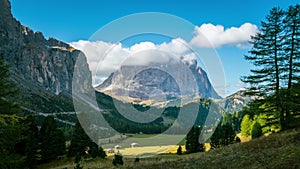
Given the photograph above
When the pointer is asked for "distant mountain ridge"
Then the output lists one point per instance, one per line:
(236, 102)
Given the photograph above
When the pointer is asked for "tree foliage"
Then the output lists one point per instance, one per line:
(12, 148)
(192, 141)
(292, 54)
(80, 141)
(32, 142)
(256, 130)
(275, 57)
(118, 160)
(8, 91)
(52, 140)
(246, 125)
(223, 136)
(179, 150)
(10, 135)
(96, 151)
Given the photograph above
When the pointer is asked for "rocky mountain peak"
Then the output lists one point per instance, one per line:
(159, 82)
(45, 63)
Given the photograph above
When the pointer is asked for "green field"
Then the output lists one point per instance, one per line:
(148, 140)
(279, 150)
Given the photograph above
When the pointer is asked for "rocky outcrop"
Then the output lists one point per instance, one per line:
(46, 63)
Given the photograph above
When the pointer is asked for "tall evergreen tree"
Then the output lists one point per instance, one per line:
(52, 140)
(10, 135)
(179, 150)
(292, 51)
(267, 57)
(292, 44)
(8, 91)
(32, 142)
(223, 136)
(246, 125)
(80, 140)
(96, 151)
(256, 130)
(118, 160)
(192, 141)
(11, 130)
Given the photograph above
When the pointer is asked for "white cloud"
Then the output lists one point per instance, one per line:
(104, 58)
(209, 35)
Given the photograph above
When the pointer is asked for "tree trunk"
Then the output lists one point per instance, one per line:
(279, 106)
(290, 74)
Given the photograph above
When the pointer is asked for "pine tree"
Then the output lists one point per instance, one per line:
(228, 134)
(52, 140)
(223, 136)
(102, 153)
(246, 125)
(96, 151)
(80, 140)
(267, 57)
(32, 142)
(215, 138)
(10, 135)
(256, 130)
(77, 162)
(192, 141)
(292, 52)
(118, 160)
(11, 131)
(179, 150)
(8, 91)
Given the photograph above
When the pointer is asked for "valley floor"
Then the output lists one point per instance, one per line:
(279, 150)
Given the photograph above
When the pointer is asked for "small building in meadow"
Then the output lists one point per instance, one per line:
(110, 150)
(134, 145)
(118, 147)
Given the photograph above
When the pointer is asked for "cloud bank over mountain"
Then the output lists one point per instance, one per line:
(106, 57)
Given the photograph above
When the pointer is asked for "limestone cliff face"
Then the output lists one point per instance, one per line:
(46, 63)
(42, 68)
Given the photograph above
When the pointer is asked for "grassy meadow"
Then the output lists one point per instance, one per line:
(278, 150)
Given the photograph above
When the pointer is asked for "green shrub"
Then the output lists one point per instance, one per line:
(118, 160)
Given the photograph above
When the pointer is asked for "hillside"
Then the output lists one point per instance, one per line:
(279, 150)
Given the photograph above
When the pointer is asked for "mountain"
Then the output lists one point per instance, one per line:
(42, 68)
(236, 101)
(158, 82)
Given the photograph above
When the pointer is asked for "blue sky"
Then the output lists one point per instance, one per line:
(71, 21)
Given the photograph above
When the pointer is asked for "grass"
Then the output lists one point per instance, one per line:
(278, 150)
(140, 135)
(146, 140)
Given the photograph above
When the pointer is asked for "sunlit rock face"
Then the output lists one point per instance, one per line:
(159, 81)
